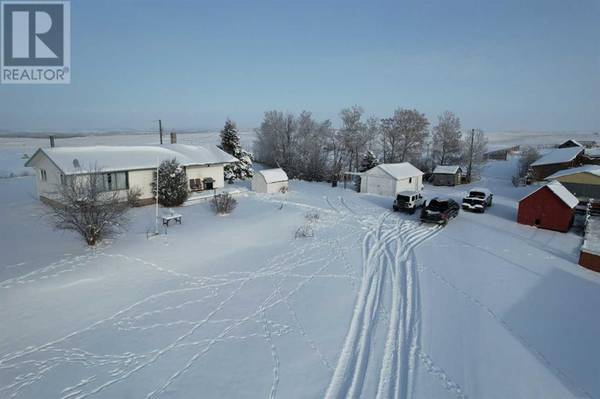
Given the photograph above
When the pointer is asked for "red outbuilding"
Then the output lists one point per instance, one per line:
(549, 207)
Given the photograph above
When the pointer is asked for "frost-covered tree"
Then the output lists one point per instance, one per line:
(85, 206)
(353, 135)
(172, 183)
(311, 143)
(369, 161)
(300, 145)
(404, 135)
(528, 156)
(230, 143)
(447, 139)
(276, 141)
(474, 149)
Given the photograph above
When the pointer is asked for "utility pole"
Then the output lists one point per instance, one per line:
(156, 208)
(160, 130)
(471, 156)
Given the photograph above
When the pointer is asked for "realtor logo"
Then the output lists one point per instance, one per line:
(36, 42)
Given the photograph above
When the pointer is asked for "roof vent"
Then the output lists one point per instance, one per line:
(76, 163)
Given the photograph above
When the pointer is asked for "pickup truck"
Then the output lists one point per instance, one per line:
(477, 200)
(440, 211)
(408, 201)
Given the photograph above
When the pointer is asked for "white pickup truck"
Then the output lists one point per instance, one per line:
(408, 201)
(477, 200)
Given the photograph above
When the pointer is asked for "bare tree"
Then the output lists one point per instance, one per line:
(223, 203)
(275, 140)
(404, 135)
(353, 135)
(311, 147)
(373, 133)
(474, 149)
(447, 138)
(299, 145)
(528, 156)
(85, 206)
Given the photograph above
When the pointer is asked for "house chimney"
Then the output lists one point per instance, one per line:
(51, 141)
(173, 138)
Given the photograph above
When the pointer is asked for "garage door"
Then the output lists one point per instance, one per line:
(381, 186)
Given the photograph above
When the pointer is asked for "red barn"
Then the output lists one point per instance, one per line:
(549, 207)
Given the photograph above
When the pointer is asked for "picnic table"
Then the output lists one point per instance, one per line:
(166, 219)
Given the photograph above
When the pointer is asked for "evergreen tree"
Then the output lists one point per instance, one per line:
(230, 143)
(230, 140)
(172, 183)
(369, 161)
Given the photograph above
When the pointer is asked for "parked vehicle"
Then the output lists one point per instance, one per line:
(477, 200)
(408, 201)
(440, 211)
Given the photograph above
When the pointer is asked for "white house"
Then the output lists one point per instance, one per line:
(390, 178)
(127, 167)
(270, 181)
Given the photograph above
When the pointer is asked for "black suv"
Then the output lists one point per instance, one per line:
(440, 211)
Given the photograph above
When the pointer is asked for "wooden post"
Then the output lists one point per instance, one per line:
(470, 156)
(160, 130)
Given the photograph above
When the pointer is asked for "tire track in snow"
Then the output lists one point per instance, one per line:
(386, 251)
(399, 363)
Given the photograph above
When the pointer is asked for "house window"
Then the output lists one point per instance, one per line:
(43, 174)
(114, 181)
(63, 180)
(410, 179)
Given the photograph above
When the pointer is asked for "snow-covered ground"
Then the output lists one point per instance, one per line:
(374, 305)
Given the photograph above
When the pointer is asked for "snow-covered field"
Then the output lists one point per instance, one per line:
(374, 305)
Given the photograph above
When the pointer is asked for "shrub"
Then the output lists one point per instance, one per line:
(312, 216)
(223, 203)
(305, 231)
(84, 207)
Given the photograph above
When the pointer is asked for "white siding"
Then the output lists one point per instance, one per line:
(259, 185)
(142, 179)
(49, 187)
(413, 184)
(201, 172)
(376, 181)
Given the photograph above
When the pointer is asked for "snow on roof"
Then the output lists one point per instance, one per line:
(481, 190)
(559, 155)
(560, 191)
(592, 169)
(446, 169)
(577, 143)
(591, 241)
(74, 160)
(399, 171)
(273, 175)
(592, 152)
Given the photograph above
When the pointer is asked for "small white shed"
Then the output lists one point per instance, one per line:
(390, 178)
(270, 181)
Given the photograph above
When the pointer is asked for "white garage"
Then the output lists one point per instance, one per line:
(390, 178)
(270, 181)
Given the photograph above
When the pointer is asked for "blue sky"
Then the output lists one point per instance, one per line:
(499, 65)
